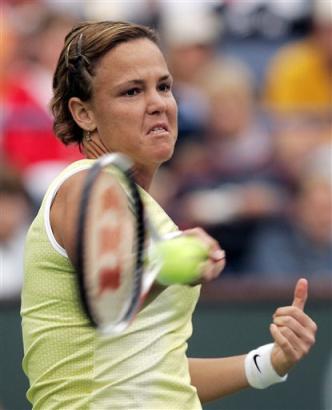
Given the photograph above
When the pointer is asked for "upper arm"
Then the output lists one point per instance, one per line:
(64, 213)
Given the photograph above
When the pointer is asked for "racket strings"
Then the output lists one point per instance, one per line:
(110, 277)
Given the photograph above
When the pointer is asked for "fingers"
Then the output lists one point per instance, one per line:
(305, 334)
(300, 294)
(286, 342)
(212, 269)
(205, 237)
(297, 314)
(296, 309)
(293, 346)
(217, 257)
(293, 331)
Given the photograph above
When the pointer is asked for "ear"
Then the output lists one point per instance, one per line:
(82, 114)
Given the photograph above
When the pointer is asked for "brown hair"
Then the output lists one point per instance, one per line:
(84, 46)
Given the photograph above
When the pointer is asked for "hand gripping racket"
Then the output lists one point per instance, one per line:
(112, 245)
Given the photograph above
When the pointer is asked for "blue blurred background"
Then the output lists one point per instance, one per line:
(253, 165)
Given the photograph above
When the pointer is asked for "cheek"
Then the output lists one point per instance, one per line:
(125, 132)
(117, 122)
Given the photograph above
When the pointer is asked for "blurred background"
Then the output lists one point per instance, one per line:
(253, 165)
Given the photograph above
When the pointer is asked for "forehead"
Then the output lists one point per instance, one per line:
(136, 59)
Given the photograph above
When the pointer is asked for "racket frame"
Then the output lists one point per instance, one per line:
(125, 166)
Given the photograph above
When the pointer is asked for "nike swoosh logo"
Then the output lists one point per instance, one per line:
(256, 364)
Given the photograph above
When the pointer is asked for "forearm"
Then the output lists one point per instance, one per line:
(217, 377)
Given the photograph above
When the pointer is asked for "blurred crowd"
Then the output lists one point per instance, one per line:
(253, 163)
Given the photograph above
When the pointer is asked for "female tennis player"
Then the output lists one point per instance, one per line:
(113, 93)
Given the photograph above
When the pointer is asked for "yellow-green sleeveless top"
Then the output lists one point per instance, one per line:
(72, 366)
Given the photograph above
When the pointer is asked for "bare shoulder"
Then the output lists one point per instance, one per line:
(64, 211)
(72, 187)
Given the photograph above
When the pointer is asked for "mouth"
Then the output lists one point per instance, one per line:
(158, 129)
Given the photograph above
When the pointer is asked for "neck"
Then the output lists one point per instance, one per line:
(144, 176)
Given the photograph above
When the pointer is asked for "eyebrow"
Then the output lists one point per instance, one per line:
(141, 82)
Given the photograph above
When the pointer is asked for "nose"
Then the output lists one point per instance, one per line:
(156, 103)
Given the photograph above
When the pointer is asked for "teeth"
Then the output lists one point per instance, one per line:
(158, 129)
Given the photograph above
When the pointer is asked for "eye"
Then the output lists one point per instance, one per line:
(165, 87)
(132, 92)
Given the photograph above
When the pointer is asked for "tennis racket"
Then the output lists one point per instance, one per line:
(113, 232)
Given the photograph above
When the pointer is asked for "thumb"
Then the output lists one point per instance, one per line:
(300, 293)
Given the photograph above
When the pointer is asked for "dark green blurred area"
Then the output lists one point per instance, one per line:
(13, 383)
(229, 330)
(225, 323)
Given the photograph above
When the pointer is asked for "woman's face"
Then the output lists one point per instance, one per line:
(132, 104)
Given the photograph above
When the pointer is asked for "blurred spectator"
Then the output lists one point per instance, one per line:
(296, 137)
(28, 139)
(300, 75)
(15, 214)
(267, 19)
(190, 33)
(138, 11)
(224, 182)
(300, 243)
(7, 51)
(237, 135)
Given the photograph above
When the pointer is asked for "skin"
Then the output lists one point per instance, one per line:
(132, 94)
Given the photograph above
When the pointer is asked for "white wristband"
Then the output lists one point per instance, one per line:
(259, 370)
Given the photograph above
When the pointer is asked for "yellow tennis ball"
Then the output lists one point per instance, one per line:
(183, 259)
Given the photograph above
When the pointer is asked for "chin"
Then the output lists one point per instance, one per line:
(163, 155)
